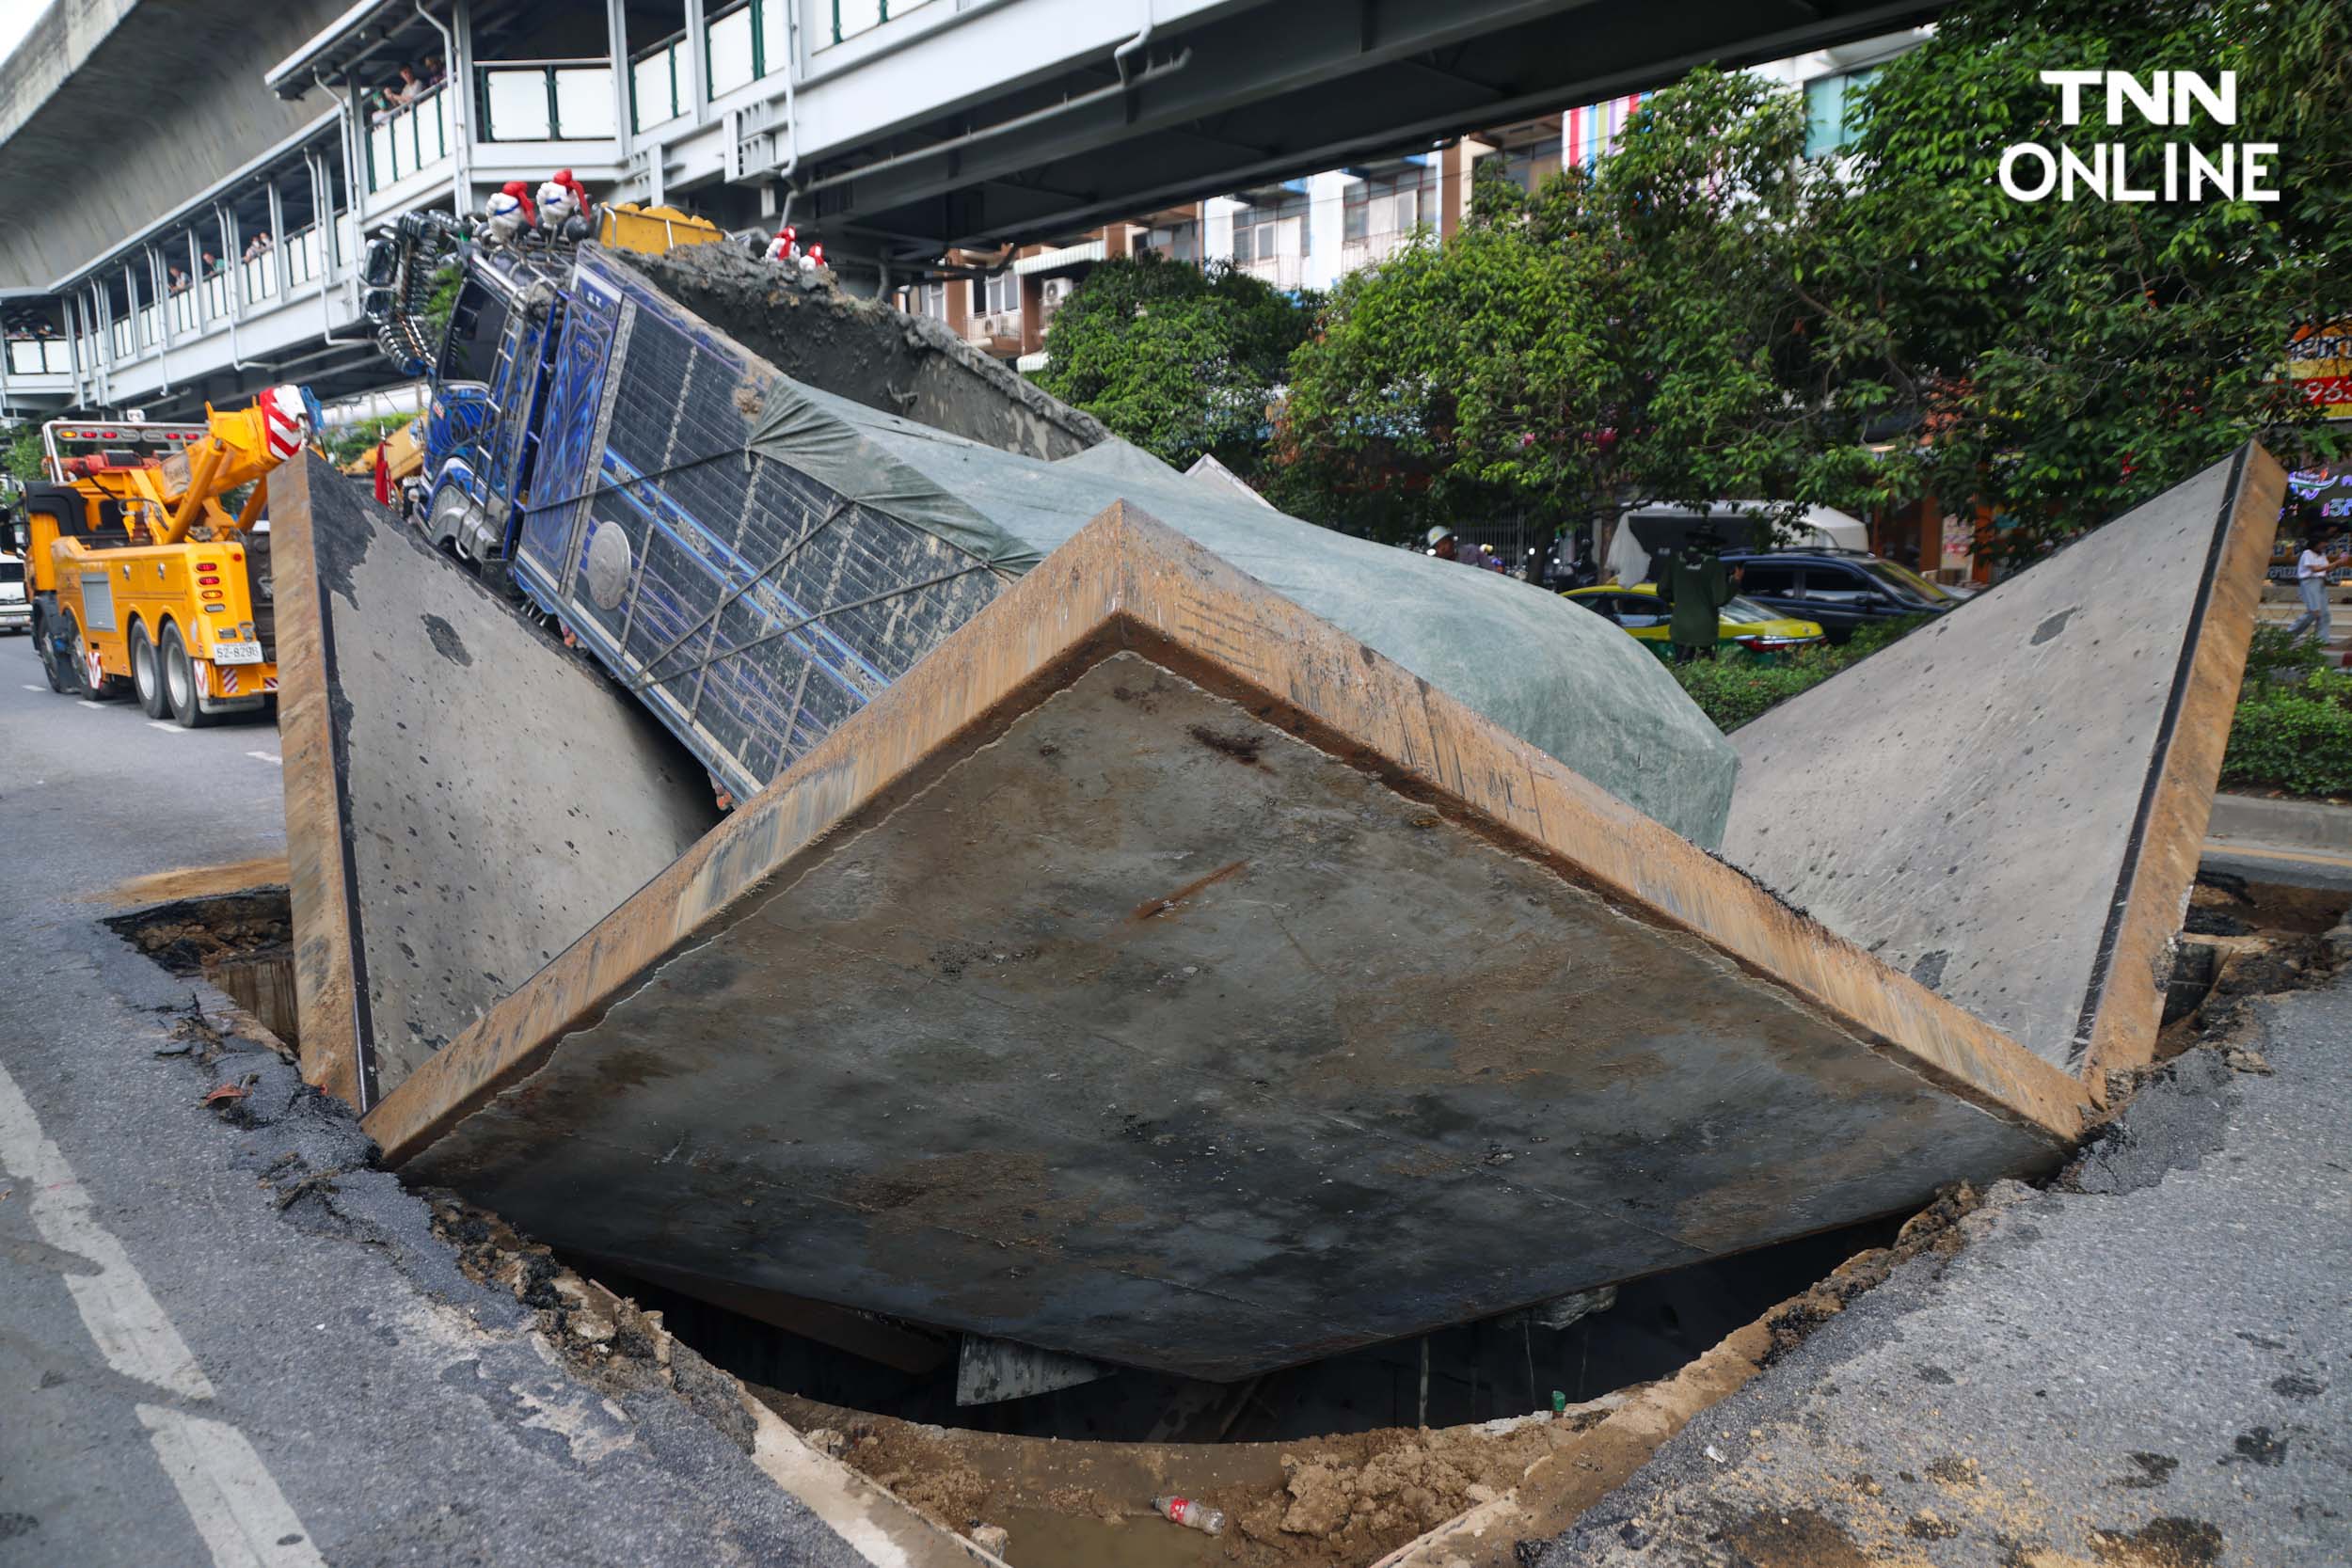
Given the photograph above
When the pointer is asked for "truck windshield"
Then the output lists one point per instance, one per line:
(11, 571)
(475, 325)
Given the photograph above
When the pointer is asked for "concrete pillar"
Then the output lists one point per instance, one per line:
(1453, 187)
(1118, 241)
(356, 150)
(1326, 204)
(461, 111)
(958, 305)
(616, 46)
(232, 247)
(161, 281)
(275, 265)
(697, 48)
(1216, 229)
(1032, 313)
(72, 312)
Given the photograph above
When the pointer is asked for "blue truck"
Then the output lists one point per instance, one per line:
(595, 450)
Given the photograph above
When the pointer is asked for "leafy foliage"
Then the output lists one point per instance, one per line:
(2068, 359)
(1622, 334)
(1731, 691)
(347, 442)
(1178, 359)
(22, 457)
(442, 301)
(2294, 736)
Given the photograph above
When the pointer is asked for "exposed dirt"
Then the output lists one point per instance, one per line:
(1932, 1229)
(188, 935)
(2242, 939)
(1337, 1500)
(867, 352)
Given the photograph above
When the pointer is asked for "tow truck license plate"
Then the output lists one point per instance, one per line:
(237, 653)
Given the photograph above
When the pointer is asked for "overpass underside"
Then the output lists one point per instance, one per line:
(1266, 92)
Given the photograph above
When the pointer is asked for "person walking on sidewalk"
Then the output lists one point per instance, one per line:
(2310, 580)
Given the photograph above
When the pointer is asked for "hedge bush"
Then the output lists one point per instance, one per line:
(1731, 690)
(2293, 736)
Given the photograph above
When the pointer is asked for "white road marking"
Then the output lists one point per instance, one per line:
(164, 724)
(227, 1490)
(36, 688)
(87, 702)
(268, 756)
(128, 1325)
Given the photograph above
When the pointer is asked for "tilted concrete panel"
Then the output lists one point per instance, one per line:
(463, 797)
(2009, 804)
(1158, 974)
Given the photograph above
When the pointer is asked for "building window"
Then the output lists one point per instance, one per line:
(1830, 106)
(998, 292)
(1179, 241)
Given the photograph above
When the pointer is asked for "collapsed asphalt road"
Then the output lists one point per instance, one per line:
(222, 1338)
(203, 1358)
(2153, 1369)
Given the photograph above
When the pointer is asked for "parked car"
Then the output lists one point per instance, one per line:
(1839, 589)
(16, 611)
(1742, 624)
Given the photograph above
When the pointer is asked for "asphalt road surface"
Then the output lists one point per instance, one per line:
(2152, 1369)
(194, 1370)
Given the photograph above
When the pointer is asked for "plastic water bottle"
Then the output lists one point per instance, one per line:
(1194, 1515)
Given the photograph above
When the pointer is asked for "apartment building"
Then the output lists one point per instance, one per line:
(1310, 233)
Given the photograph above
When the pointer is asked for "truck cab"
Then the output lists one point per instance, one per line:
(489, 388)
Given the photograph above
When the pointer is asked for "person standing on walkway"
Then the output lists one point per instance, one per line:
(1694, 581)
(2310, 580)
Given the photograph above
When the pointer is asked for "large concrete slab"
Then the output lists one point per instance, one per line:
(2009, 805)
(1158, 974)
(463, 796)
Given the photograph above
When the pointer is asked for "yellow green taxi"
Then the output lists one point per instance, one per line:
(1742, 626)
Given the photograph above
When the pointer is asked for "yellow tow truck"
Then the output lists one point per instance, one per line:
(143, 581)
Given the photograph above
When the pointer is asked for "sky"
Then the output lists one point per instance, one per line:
(16, 19)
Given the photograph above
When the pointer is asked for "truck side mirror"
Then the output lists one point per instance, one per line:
(382, 265)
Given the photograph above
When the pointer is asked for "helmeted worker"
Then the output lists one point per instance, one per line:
(507, 214)
(563, 212)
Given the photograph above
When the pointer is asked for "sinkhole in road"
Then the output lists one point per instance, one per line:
(241, 942)
(1440, 1450)
(1334, 1462)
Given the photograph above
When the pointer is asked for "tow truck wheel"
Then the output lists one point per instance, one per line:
(60, 674)
(146, 678)
(67, 645)
(179, 682)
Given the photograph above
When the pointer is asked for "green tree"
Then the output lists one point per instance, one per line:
(1625, 335)
(1178, 359)
(2064, 361)
(347, 442)
(23, 458)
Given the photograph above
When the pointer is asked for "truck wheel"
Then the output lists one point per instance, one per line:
(60, 673)
(179, 682)
(68, 646)
(147, 679)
